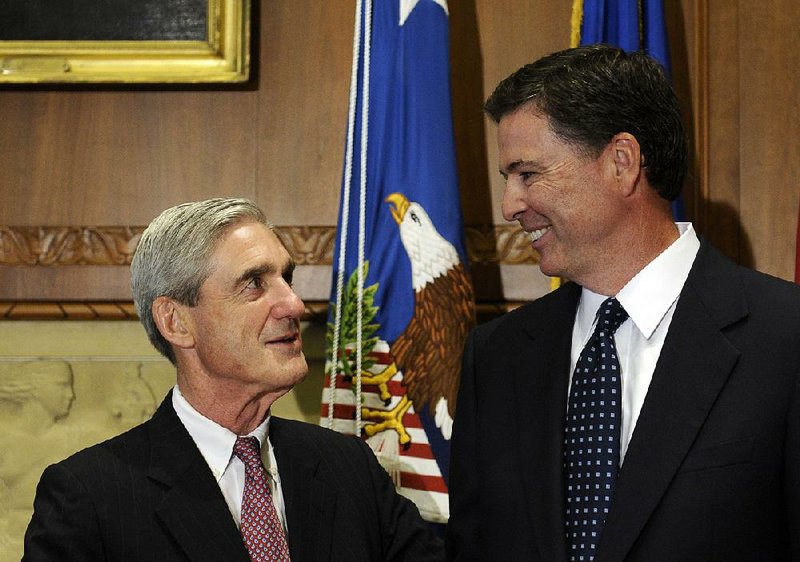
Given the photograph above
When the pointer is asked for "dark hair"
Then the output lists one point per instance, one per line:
(591, 93)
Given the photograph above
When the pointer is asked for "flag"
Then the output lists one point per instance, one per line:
(631, 25)
(401, 301)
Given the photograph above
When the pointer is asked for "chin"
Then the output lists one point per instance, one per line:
(549, 270)
(301, 369)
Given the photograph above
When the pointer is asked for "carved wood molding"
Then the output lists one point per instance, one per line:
(315, 311)
(68, 245)
(502, 244)
(310, 245)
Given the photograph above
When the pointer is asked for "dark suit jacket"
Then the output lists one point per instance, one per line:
(712, 471)
(149, 495)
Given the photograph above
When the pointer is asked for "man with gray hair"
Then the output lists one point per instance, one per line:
(212, 476)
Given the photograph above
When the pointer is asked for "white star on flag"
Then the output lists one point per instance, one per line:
(407, 6)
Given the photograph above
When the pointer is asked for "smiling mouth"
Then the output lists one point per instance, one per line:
(536, 234)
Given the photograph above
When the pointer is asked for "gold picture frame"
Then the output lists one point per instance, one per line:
(224, 55)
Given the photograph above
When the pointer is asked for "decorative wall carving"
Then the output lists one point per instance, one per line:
(55, 408)
(68, 245)
(48, 246)
(310, 245)
(504, 244)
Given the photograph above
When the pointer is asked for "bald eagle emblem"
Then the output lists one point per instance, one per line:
(428, 351)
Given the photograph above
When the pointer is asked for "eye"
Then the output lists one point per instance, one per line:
(414, 217)
(526, 177)
(255, 283)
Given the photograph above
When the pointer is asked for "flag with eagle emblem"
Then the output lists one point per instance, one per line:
(402, 302)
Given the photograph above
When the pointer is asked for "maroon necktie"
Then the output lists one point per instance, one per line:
(261, 528)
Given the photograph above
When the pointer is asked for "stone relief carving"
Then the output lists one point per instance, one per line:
(35, 398)
(50, 409)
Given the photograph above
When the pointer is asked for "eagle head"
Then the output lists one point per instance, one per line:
(431, 254)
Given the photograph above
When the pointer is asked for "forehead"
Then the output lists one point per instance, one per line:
(246, 244)
(524, 125)
(525, 135)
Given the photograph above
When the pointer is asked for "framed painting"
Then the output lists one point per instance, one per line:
(119, 41)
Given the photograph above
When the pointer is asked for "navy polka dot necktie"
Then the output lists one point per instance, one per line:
(591, 439)
(261, 529)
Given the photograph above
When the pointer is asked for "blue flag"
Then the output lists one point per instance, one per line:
(631, 25)
(402, 302)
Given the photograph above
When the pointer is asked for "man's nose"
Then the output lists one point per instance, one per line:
(289, 304)
(513, 203)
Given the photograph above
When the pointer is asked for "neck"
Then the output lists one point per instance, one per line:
(641, 241)
(231, 405)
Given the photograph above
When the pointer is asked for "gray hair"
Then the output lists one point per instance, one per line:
(172, 258)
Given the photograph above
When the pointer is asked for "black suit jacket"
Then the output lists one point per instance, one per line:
(149, 495)
(712, 471)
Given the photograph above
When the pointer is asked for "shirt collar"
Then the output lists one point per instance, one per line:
(648, 296)
(214, 441)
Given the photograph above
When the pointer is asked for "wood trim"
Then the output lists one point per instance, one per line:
(315, 311)
(310, 245)
(54, 246)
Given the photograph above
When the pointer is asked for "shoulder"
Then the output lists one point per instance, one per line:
(130, 449)
(555, 310)
(725, 285)
(283, 431)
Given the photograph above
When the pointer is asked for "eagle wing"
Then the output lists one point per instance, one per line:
(429, 350)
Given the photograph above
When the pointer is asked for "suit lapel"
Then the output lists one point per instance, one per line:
(310, 503)
(541, 380)
(193, 509)
(693, 367)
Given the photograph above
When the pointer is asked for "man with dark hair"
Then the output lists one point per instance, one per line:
(649, 409)
(212, 476)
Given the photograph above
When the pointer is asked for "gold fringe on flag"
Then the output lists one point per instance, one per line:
(577, 18)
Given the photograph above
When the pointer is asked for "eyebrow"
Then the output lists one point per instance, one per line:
(266, 269)
(517, 164)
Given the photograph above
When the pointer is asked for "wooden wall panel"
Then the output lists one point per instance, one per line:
(117, 155)
(769, 132)
(746, 126)
(511, 34)
(720, 204)
(306, 53)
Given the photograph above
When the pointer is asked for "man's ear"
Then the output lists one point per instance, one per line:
(172, 321)
(626, 156)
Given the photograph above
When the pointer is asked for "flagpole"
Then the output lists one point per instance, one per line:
(362, 210)
(348, 178)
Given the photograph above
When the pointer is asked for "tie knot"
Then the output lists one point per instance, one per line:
(610, 316)
(248, 450)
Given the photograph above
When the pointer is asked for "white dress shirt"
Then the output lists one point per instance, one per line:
(649, 299)
(216, 445)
